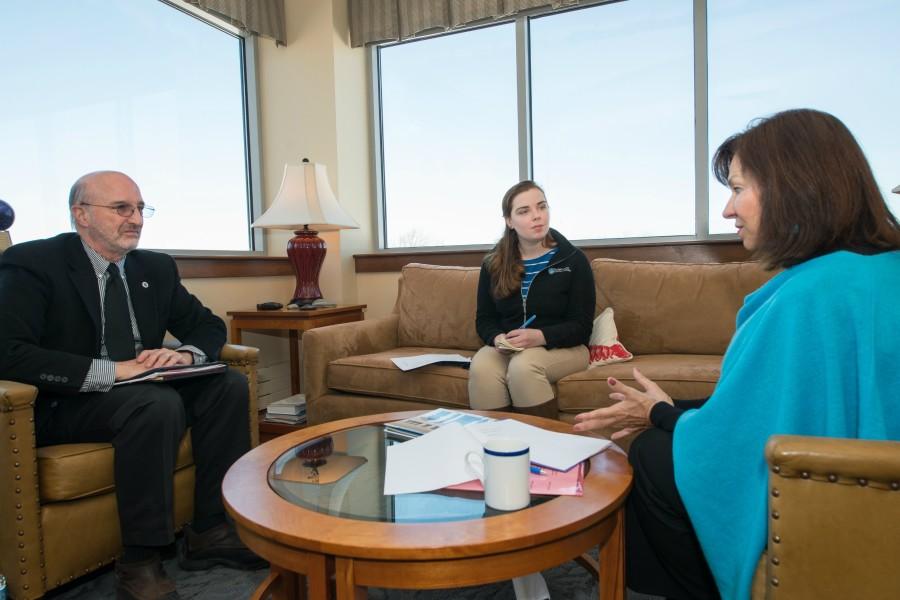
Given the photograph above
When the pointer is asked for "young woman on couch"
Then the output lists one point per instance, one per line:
(811, 355)
(535, 310)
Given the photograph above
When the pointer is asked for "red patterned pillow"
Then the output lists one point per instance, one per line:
(605, 346)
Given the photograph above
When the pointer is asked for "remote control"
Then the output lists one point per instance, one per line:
(269, 306)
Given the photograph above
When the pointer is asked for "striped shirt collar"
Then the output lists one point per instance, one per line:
(99, 263)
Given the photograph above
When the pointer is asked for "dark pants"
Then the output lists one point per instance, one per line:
(145, 423)
(663, 555)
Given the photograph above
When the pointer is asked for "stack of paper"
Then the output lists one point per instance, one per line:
(438, 459)
(408, 363)
(291, 410)
(505, 345)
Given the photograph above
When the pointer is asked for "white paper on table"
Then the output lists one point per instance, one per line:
(430, 462)
(408, 363)
(560, 451)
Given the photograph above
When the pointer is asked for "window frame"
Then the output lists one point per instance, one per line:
(523, 88)
(252, 152)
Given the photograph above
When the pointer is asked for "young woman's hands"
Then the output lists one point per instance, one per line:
(526, 338)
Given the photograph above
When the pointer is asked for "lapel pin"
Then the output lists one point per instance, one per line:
(145, 285)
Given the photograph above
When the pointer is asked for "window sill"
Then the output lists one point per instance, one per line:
(199, 267)
(692, 251)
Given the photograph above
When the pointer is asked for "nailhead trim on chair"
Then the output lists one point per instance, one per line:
(776, 496)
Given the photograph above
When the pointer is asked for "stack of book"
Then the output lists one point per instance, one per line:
(290, 410)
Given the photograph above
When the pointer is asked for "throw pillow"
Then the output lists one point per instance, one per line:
(605, 346)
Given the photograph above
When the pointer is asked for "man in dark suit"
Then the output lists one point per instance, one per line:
(83, 310)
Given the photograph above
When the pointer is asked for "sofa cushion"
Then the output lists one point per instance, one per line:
(71, 471)
(376, 375)
(675, 308)
(682, 376)
(437, 307)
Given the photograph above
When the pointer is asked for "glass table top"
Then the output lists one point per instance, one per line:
(342, 475)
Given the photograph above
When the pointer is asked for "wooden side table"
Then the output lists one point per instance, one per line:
(295, 322)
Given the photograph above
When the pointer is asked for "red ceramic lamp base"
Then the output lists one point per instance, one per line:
(306, 253)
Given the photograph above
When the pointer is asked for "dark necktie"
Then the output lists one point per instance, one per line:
(117, 326)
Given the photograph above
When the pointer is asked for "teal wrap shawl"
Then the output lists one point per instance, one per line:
(816, 352)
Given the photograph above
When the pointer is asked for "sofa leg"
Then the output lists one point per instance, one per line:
(548, 410)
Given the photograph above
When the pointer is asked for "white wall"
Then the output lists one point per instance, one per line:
(314, 104)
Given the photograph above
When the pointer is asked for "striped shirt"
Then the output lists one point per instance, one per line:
(102, 373)
(533, 266)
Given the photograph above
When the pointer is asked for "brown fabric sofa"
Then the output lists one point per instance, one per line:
(676, 318)
(58, 516)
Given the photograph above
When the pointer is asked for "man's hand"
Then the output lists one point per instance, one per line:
(128, 369)
(526, 338)
(163, 357)
(630, 413)
(151, 359)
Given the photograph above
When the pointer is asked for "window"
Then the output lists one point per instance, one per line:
(614, 152)
(615, 116)
(450, 137)
(140, 87)
(839, 57)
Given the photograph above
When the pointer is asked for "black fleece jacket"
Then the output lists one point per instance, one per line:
(561, 297)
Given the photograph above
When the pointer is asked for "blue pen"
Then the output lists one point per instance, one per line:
(528, 321)
(537, 470)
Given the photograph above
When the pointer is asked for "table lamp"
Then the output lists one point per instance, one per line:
(306, 205)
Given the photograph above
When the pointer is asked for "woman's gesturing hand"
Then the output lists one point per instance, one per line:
(630, 413)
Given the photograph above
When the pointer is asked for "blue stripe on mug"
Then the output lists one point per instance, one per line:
(513, 453)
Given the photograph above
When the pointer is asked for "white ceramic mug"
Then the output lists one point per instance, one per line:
(503, 470)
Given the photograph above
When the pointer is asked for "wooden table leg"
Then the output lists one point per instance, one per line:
(343, 579)
(235, 334)
(317, 578)
(612, 562)
(281, 584)
(294, 340)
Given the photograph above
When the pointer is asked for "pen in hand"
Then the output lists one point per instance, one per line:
(528, 321)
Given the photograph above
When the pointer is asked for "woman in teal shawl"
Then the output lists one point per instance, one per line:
(815, 352)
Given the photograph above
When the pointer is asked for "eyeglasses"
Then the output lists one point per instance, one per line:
(125, 210)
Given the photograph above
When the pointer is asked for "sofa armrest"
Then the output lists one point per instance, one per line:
(325, 344)
(833, 509)
(245, 359)
(20, 520)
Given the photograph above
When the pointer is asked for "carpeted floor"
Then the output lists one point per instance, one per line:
(566, 582)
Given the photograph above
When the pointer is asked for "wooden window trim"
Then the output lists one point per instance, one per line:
(709, 251)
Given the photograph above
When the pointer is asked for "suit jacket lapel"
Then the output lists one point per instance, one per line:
(143, 301)
(85, 281)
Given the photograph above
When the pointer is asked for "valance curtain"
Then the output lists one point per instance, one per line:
(377, 21)
(259, 17)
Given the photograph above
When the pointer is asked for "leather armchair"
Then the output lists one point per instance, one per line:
(834, 520)
(58, 517)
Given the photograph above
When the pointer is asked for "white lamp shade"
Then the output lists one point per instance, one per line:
(305, 199)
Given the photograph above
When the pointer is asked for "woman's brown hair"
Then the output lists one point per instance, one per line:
(504, 262)
(816, 188)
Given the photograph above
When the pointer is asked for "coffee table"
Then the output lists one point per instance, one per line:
(344, 536)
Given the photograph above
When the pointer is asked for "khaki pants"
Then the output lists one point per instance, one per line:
(523, 378)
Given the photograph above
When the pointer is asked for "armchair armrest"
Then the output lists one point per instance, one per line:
(245, 359)
(20, 515)
(833, 509)
(325, 344)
